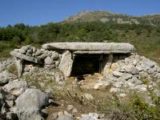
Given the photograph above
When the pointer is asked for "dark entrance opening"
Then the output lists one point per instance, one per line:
(86, 64)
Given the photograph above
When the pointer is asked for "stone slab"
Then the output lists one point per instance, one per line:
(25, 57)
(66, 63)
(93, 47)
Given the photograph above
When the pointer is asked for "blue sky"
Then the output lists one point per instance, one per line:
(37, 12)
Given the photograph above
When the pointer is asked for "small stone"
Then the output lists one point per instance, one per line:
(48, 61)
(117, 74)
(101, 85)
(126, 76)
(65, 117)
(88, 96)
(114, 90)
(70, 107)
(74, 110)
(55, 55)
(122, 95)
(90, 116)
(131, 69)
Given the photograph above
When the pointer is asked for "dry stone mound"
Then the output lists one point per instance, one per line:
(134, 73)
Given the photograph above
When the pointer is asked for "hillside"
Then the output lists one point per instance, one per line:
(104, 16)
(83, 80)
(144, 34)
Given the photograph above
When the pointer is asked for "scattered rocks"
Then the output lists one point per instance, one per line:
(133, 72)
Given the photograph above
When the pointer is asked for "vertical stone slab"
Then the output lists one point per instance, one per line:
(66, 63)
(107, 64)
(20, 67)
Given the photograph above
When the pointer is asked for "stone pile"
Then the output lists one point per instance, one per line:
(132, 73)
(18, 101)
(29, 56)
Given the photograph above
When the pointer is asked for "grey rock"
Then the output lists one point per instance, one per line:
(91, 47)
(55, 55)
(16, 87)
(5, 63)
(11, 116)
(1, 99)
(25, 57)
(74, 111)
(118, 84)
(10, 103)
(157, 75)
(38, 52)
(64, 116)
(66, 63)
(114, 90)
(91, 116)
(70, 107)
(48, 61)
(4, 109)
(5, 77)
(141, 88)
(101, 85)
(30, 103)
(9, 97)
(20, 66)
(58, 76)
(117, 74)
(131, 69)
(88, 96)
(125, 76)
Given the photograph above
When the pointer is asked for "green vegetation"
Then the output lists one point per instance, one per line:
(146, 38)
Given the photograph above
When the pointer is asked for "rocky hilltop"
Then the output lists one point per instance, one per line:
(105, 16)
(40, 90)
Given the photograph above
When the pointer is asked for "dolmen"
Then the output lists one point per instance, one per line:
(68, 57)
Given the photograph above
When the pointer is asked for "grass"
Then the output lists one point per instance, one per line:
(131, 107)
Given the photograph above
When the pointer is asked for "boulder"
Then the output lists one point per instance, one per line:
(15, 87)
(30, 103)
(5, 77)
